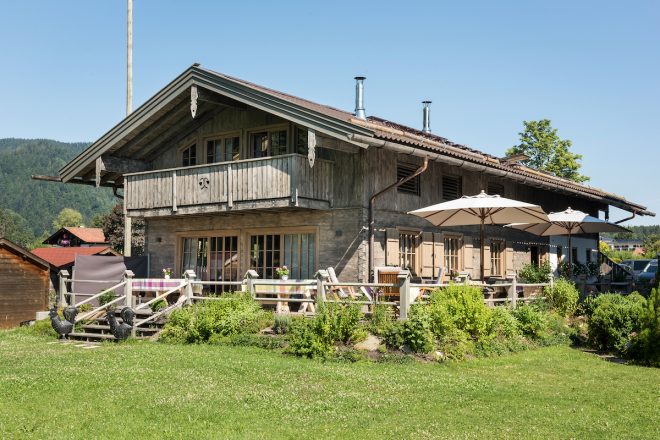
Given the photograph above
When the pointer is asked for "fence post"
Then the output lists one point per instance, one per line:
(320, 287)
(513, 293)
(128, 287)
(404, 294)
(64, 275)
(189, 276)
(250, 275)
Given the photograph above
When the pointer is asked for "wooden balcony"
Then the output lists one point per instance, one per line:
(274, 182)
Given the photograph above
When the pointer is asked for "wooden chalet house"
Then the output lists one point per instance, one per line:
(230, 176)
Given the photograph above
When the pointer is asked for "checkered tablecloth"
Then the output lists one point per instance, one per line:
(155, 284)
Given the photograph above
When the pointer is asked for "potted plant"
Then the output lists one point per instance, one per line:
(167, 273)
(282, 272)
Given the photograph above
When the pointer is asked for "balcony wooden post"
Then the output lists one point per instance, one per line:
(174, 207)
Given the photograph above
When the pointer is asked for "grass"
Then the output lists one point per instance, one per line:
(151, 390)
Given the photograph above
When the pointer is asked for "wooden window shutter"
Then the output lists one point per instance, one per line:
(467, 253)
(508, 258)
(487, 262)
(392, 247)
(438, 253)
(427, 259)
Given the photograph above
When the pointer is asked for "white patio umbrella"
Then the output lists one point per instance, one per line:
(482, 209)
(569, 222)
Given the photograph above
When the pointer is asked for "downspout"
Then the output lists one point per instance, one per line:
(626, 219)
(372, 199)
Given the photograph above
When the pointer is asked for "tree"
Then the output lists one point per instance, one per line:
(67, 218)
(547, 151)
(113, 228)
(15, 228)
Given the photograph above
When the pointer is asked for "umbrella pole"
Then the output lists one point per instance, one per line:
(570, 257)
(481, 254)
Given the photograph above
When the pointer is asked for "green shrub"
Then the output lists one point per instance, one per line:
(562, 296)
(282, 324)
(43, 327)
(310, 338)
(394, 335)
(558, 332)
(456, 344)
(157, 306)
(248, 340)
(645, 346)
(107, 296)
(173, 335)
(502, 324)
(234, 314)
(381, 320)
(614, 319)
(531, 323)
(359, 334)
(533, 274)
(417, 329)
(459, 306)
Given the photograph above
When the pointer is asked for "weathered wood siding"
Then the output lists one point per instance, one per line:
(280, 177)
(23, 289)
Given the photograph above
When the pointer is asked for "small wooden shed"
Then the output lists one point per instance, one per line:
(24, 284)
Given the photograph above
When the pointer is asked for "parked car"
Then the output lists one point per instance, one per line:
(637, 266)
(647, 278)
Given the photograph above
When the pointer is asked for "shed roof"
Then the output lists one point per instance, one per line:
(22, 252)
(64, 256)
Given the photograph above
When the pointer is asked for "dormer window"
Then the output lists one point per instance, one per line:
(189, 156)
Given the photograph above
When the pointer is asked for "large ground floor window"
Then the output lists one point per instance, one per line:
(452, 254)
(213, 258)
(297, 251)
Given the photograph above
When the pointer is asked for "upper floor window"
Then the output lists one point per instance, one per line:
(301, 141)
(223, 149)
(404, 170)
(268, 143)
(189, 156)
(495, 188)
(452, 187)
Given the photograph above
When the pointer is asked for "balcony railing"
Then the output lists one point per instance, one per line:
(273, 182)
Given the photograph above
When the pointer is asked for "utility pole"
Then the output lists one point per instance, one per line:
(128, 233)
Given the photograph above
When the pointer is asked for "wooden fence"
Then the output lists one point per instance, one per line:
(284, 294)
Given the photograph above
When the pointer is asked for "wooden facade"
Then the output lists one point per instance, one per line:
(24, 284)
(256, 178)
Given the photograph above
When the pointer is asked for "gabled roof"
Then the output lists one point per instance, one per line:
(325, 119)
(22, 252)
(64, 256)
(86, 235)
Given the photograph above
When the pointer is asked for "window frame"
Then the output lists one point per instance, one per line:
(501, 245)
(460, 185)
(223, 136)
(414, 253)
(269, 130)
(181, 151)
(459, 252)
(413, 186)
(249, 233)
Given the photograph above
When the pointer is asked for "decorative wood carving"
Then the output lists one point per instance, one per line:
(194, 95)
(311, 147)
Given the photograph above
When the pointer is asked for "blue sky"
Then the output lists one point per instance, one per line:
(592, 67)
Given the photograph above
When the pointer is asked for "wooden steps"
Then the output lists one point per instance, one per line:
(99, 330)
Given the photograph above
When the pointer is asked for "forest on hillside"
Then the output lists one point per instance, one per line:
(28, 207)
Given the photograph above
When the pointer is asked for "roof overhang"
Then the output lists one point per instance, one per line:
(178, 91)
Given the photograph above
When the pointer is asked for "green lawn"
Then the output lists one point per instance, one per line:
(151, 390)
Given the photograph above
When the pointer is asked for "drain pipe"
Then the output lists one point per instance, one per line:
(626, 219)
(372, 199)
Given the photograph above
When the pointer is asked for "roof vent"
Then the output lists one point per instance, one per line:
(359, 97)
(427, 117)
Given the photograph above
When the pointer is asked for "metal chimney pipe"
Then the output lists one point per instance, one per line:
(359, 97)
(427, 117)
